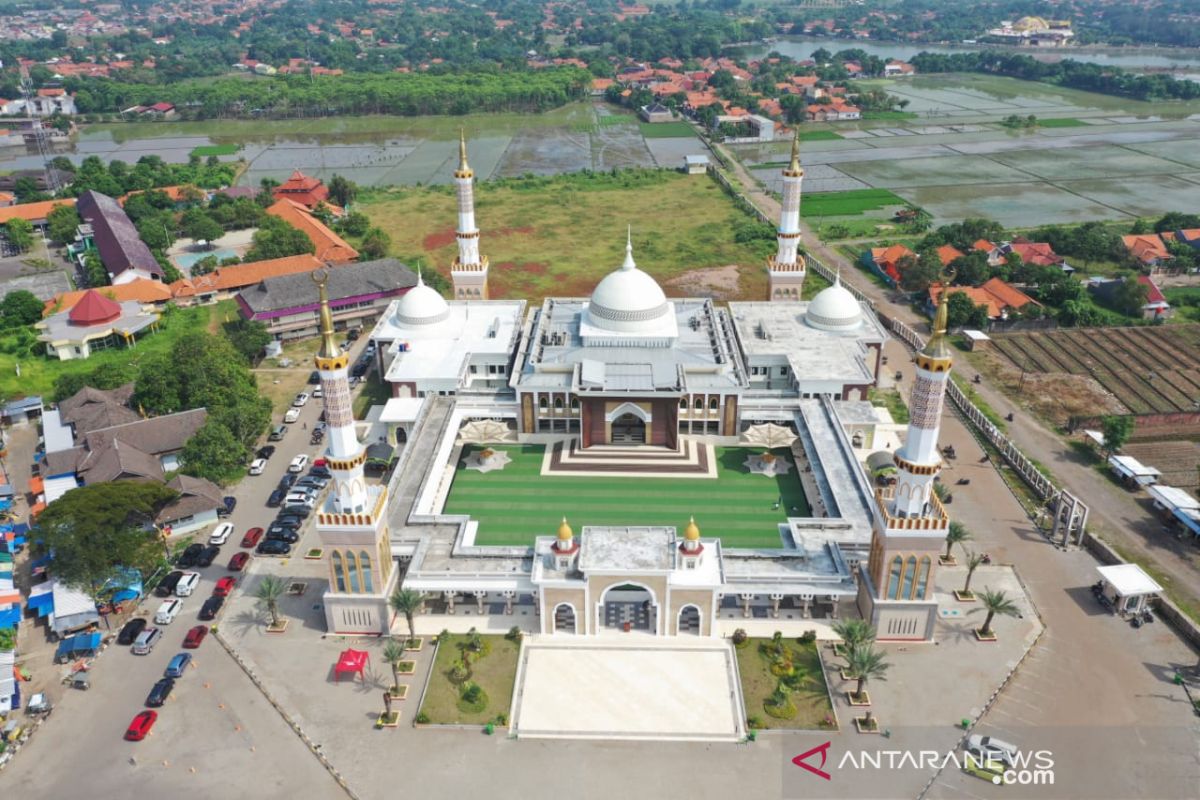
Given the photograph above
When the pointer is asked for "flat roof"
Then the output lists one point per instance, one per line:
(1129, 580)
(58, 436)
(631, 549)
(402, 409)
(442, 349)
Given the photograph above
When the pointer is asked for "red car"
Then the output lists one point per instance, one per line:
(224, 586)
(252, 536)
(140, 726)
(238, 562)
(320, 462)
(194, 637)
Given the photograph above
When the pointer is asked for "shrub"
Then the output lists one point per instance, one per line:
(502, 718)
(808, 637)
(473, 698)
(753, 721)
(459, 673)
(740, 637)
(514, 634)
(779, 704)
(422, 718)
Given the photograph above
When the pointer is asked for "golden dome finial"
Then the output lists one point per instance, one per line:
(937, 347)
(565, 533)
(692, 531)
(329, 345)
(464, 169)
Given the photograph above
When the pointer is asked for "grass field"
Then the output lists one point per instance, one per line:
(496, 673)
(666, 130)
(559, 236)
(890, 115)
(832, 204)
(1062, 122)
(206, 150)
(517, 503)
(811, 698)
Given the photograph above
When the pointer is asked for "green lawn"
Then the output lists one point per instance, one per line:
(890, 115)
(517, 503)
(206, 150)
(856, 201)
(1061, 122)
(666, 130)
(374, 393)
(496, 673)
(811, 698)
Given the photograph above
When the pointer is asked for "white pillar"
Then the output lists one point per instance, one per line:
(775, 600)
(746, 598)
(479, 598)
(509, 594)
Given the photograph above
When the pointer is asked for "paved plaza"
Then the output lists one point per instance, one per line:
(628, 690)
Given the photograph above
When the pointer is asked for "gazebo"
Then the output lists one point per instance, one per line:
(1129, 587)
(351, 661)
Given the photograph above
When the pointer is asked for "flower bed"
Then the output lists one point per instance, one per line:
(446, 701)
(804, 704)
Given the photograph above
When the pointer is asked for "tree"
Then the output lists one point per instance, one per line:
(971, 269)
(1129, 296)
(342, 191)
(1078, 313)
(957, 534)
(974, 561)
(959, 308)
(866, 664)
(407, 602)
(278, 239)
(20, 308)
(375, 244)
(393, 654)
(200, 226)
(996, 603)
(926, 269)
(854, 633)
(1116, 430)
(355, 223)
(61, 224)
(94, 530)
(248, 337)
(213, 453)
(204, 266)
(157, 230)
(19, 233)
(268, 592)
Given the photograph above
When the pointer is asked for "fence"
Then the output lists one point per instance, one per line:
(739, 199)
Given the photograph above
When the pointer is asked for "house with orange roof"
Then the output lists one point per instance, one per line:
(947, 253)
(836, 111)
(7, 198)
(600, 85)
(34, 213)
(181, 196)
(227, 280)
(1001, 299)
(302, 189)
(141, 290)
(994, 253)
(1038, 253)
(885, 261)
(329, 246)
(1148, 249)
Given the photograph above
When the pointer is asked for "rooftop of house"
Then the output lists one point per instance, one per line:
(296, 293)
(329, 246)
(121, 247)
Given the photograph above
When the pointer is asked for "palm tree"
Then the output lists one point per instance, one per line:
(958, 534)
(867, 663)
(393, 653)
(996, 603)
(854, 632)
(387, 706)
(973, 561)
(269, 590)
(406, 602)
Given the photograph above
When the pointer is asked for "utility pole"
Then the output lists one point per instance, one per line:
(40, 137)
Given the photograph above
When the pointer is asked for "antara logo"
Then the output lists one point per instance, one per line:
(801, 760)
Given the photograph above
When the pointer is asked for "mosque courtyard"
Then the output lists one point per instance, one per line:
(518, 502)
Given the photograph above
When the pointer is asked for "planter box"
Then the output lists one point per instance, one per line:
(283, 626)
(969, 597)
(991, 637)
(862, 727)
(406, 667)
(864, 701)
(420, 642)
(947, 562)
(385, 721)
(844, 675)
(314, 554)
(398, 692)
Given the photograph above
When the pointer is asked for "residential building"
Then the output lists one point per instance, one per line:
(196, 506)
(330, 248)
(1148, 249)
(1156, 305)
(656, 112)
(885, 261)
(225, 281)
(1001, 299)
(34, 213)
(124, 255)
(94, 323)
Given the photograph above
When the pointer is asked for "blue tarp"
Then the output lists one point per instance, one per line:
(83, 644)
(10, 616)
(42, 604)
(125, 594)
(1189, 522)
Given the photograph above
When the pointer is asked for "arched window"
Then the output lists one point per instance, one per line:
(574, 403)
(558, 403)
(542, 402)
(683, 403)
(922, 578)
(339, 575)
(364, 563)
(910, 574)
(714, 403)
(893, 590)
(352, 573)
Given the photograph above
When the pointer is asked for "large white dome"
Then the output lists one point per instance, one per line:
(628, 299)
(834, 309)
(421, 305)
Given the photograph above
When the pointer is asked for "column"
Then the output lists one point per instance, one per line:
(479, 598)
(775, 599)
(746, 598)
(509, 594)
(449, 596)
(806, 605)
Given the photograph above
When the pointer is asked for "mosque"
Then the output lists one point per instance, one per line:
(630, 382)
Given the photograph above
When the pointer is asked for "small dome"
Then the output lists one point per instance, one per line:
(421, 305)
(94, 309)
(692, 531)
(834, 309)
(564, 531)
(628, 299)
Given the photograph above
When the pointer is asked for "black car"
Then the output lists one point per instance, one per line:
(359, 370)
(208, 555)
(131, 630)
(276, 498)
(161, 691)
(287, 480)
(282, 534)
(211, 606)
(167, 586)
(273, 547)
(289, 521)
(314, 378)
(189, 556)
(321, 472)
(228, 504)
(266, 451)
(353, 334)
(296, 510)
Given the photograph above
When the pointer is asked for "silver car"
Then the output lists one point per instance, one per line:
(989, 748)
(145, 641)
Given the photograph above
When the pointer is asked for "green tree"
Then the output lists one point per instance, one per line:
(248, 337)
(204, 266)
(198, 225)
(866, 664)
(971, 269)
(920, 273)
(854, 633)
(1129, 297)
(393, 654)
(214, 453)
(19, 233)
(157, 230)
(375, 244)
(94, 530)
(278, 239)
(406, 602)
(959, 309)
(355, 223)
(974, 561)
(268, 592)
(94, 270)
(996, 603)
(956, 534)
(1078, 313)
(20, 308)
(342, 191)
(1116, 430)
(61, 223)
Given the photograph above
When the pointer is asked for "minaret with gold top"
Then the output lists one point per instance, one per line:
(786, 269)
(351, 519)
(470, 270)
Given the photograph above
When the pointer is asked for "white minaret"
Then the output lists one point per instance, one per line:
(469, 271)
(786, 269)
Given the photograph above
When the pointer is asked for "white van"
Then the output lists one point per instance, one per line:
(298, 463)
(168, 611)
(188, 582)
(221, 534)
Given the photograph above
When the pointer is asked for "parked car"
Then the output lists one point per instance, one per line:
(353, 333)
(258, 466)
(301, 400)
(314, 479)
(224, 586)
(131, 630)
(252, 536)
(190, 555)
(230, 503)
(222, 533)
(210, 608)
(208, 555)
(277, 433)
(178, 665)
(277, 534)
(298, 463)
(296, 509)
(166, 587)
(146, 640)
(273, 547)
(318, 392)
(276, 498)
(292, 415)
(238, 562)
(359, 369)
(287, 480)
(314, 377)
(187, 584)
(300, 498)
(195, 636)
(161, 691)
(266, 451)
(321, 473)
(989, 748)
(168, 611)
(290, 521)
(140, 726)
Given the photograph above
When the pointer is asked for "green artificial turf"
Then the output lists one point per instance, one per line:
(517, 503)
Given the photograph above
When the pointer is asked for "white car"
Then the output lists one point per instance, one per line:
(300, 400)
(221, 535)
(989, 748)
(292, 415)
(298, 463)
(318, 391)
(300, 499)
(258, 466)
(187, 584)
(167, 612)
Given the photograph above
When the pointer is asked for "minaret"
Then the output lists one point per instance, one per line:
(469, 271)
(351, 520)
(785, 270)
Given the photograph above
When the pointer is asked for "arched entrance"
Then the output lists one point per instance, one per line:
(564, 619)
(628, 607)
(628, 429)
(689, 621)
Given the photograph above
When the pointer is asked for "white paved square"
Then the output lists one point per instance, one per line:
(628, 692)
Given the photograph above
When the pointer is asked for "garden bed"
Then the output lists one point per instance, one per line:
(494, 673)
(810, 698)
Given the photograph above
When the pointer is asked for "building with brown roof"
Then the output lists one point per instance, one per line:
(947, 253)
(886, 260)
(34, 213)
(1000, 298)
(95, 322)
(142, 290)
(226, 280)
(196, 506)
(330, 247)
(1148, 249)
(90, 409)
(303, 189)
